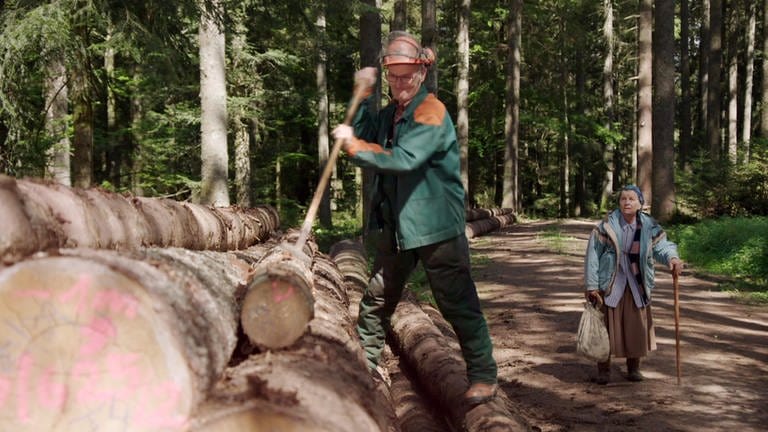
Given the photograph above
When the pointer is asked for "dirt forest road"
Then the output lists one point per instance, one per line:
(533, 301)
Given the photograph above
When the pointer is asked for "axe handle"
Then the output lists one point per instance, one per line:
(306, 227)
(677, 325)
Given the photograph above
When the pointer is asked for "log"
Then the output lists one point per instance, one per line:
(441, 372)
(278, 304)
(319, 383)
(109, 340)
(38, 216)
(484, 213)
(486, 225)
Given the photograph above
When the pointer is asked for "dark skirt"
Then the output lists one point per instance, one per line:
(630, 328)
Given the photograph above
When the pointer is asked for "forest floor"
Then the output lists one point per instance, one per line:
(532, 297)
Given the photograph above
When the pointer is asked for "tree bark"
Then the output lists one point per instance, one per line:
(441, 371)
(746, 134)
(126, 341)
(42, 216)
(486, 225)
(663, 148)
(400, 16)
(764, 90)
(645, 100)
(609, 147)
(370, 47)
(57, 105)
(323, 138)
(429, 34)
(213, 104)
(685, 84)
(732, 110)
(715, 55)
(512, 116)
(462, 93)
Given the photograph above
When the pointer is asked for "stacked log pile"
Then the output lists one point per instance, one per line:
(48, 216)
(482, 221)
(147, 314)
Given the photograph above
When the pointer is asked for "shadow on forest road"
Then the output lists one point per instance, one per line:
(532, 298)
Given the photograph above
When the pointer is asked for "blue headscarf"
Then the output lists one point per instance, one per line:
(636, 190)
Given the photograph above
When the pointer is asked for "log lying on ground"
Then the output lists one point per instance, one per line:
(413, 412)
(38, 216)
(486, 225)
(441, 372)
(319, 383)
(484, 213)
(115, 341)
(278, 304)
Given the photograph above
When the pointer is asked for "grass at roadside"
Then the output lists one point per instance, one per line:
(736, 248)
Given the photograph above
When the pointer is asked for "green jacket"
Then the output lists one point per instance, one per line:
(423, 158)
(602, 261)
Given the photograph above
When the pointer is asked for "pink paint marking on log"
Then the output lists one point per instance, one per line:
(23, 371)
(78, 293)
(163, 415)
(50, 393)
(96, 336)
(117, 302)
(278, 296)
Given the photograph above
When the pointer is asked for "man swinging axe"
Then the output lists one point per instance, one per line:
(417, 210)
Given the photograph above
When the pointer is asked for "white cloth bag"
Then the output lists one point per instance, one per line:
(592, 338)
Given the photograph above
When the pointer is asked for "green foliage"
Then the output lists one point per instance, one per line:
(720, 188)
(734, 247)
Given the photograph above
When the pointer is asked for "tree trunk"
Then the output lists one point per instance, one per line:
(82, 119)
(609, 147)
(732, 112)
(125, 342)
(321, 383)
(764, 92)
(323, 138)
(663, 204)
(645, 100)
(400, 16)
(370, 47)
(436, 361)
(56, 104)
(278, 304)
(685, 84)
(44, 216)
(429, 36)
(704, 47)
(512, 115)
(713, 89)
(462, 93)
(213, 104)
(746, 134)
(242, 163)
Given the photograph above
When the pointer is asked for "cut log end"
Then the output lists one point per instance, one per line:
(84, 345)
(277, 310)
(258, 416)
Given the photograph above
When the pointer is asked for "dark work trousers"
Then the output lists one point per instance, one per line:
(447, 267)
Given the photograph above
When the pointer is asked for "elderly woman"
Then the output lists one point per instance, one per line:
(619, 274)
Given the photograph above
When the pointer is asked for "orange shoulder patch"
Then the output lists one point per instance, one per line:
(430, 112)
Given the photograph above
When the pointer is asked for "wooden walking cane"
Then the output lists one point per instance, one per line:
(677, 324)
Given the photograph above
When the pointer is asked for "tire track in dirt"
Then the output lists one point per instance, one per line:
(532, 298)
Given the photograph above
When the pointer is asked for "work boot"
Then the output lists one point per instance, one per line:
(480, 393)
(633, 370)
(603, 372)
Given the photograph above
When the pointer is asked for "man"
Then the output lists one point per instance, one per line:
(417, 210)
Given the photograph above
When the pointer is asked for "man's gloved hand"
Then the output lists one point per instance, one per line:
(343, 132)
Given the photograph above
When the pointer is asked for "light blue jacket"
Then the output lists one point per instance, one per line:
(601, 263)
